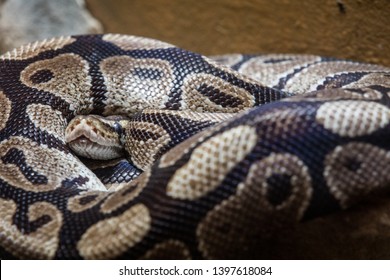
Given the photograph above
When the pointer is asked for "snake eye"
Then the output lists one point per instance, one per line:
(117, 128)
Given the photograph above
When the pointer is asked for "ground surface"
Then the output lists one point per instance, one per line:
(353, 29)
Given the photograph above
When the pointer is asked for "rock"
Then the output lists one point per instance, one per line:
(23, 21)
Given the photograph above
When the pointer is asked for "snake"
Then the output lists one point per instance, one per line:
(209, 156)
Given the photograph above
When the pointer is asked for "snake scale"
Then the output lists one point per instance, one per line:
(304, 136)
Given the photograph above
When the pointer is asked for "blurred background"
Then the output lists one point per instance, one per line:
(352, 29)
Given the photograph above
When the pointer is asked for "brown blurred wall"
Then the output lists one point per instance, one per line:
(352, 29)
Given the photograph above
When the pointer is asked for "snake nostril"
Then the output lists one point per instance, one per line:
(41, 76)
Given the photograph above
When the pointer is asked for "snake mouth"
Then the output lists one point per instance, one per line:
(85, 147)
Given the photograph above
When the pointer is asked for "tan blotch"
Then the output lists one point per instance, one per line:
(211, 161)
(136, 84)
(335, 94)
(40, 244)
(55, 165)
(170, 249)
(143, 152)
(269, 69)
(65, 76)
(85, 200)
(112, 237)
(129, 43)
(238, 225)
(237, 74)
(125, 194)
(47, 119)
(5, 104)
(177, 151)
(372, 79)
(355, 170)
(174, 154)
(314, 75)
(33, 49)
(353, 118)
(192, 99)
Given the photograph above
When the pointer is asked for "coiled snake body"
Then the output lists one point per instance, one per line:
(305, 136)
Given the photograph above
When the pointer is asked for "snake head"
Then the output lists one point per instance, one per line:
(95, 137)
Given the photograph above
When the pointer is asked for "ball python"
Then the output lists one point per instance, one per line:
(277, 140)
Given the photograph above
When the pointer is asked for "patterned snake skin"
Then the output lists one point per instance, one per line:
(305, 136)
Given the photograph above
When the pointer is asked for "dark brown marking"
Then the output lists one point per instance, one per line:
(42, 76)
